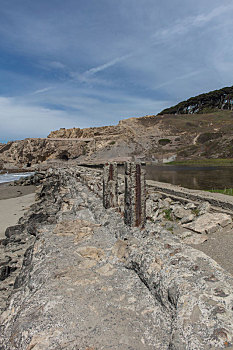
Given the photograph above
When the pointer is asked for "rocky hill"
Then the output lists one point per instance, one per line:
(218, 99)
(160, 138)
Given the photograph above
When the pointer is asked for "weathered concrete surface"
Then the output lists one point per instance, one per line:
(89, 282)
(74, 291)
(110, 185)
(191, 287)
(135, 195)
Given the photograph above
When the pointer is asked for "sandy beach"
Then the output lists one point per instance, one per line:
(14, 200)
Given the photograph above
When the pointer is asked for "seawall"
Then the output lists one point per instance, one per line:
(89, 282)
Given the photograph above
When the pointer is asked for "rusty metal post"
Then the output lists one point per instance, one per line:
(128, 196)
(135, 195)
(110, 185)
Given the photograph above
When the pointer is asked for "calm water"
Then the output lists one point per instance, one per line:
(192, 176)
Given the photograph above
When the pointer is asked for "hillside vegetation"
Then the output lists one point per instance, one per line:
(218, 99)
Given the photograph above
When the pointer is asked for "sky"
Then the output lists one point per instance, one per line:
(82, 63)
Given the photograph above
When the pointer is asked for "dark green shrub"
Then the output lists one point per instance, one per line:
(164, 142)
(207, 136)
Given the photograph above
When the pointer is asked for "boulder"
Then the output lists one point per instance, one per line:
(203, 208)
(179, 212)
(209, 223)
(188, 218)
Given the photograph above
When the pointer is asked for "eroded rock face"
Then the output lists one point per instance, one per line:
(152, 138)
(88, 281)
(29, 152)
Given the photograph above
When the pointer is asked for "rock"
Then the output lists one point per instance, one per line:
(5, 260)
(151, 207)
(13, 230)
(167, 202)
(155, 196)
(179, 212)
(4, 272)
(155, 215)
(223, 219)
(161, 204)
(188, 218)
(209, 223)
(195, 238)
(190, 206)
(92, 253)
(203, 208)
(186, 287)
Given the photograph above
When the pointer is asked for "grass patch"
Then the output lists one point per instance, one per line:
(227, 191)
(170, 229)
(195, 212)
(167, 214)
(203, 162)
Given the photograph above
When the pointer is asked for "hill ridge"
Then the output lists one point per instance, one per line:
(204, 103)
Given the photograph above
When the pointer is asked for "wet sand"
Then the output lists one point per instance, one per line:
(14, 200)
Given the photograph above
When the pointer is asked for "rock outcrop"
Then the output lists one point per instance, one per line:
(152, 138)
(89, 282)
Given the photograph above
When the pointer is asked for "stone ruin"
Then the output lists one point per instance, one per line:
(134, 196)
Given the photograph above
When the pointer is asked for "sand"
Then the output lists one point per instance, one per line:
(14, 201)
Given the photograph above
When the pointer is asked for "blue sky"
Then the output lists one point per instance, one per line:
(91, 63)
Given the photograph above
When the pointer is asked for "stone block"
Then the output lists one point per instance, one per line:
(135, 195)
(209, 223)
(110, 185)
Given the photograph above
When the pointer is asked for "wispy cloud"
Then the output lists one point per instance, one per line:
(19, 119)
(57, 65)
(106, 65)
(41, 91)
(187, 24)
(182, 77)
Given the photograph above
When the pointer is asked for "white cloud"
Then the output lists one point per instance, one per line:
(56, 65)
(190, 22)
(20, 120)
(40, 91)
(106, 65)
(167, 50)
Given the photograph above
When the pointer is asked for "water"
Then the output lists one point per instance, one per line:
(194, 177)
(8, 177)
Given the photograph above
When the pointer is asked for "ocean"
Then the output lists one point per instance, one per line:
(8, 177)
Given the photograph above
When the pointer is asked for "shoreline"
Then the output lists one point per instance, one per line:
(14, 201)
(9, 190)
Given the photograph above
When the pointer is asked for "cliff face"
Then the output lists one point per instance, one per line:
(32, 151)
(219, 99)
(152, 138)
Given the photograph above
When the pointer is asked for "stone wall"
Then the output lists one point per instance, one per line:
(192, 294)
